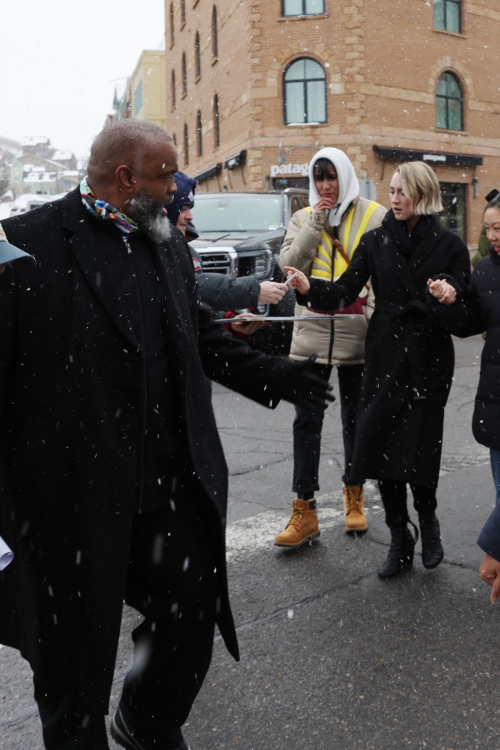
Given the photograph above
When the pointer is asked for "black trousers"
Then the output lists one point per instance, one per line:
(308, 425)
(172, 583)
(394, 498)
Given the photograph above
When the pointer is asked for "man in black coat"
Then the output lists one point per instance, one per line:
(113, 480)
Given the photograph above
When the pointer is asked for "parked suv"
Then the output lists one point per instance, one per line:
(241, 234)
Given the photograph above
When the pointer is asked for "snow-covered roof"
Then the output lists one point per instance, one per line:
(40, 177)
(33, 168)
(34, 140)
(62, 155)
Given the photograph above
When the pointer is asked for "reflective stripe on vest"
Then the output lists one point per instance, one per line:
(322, 263)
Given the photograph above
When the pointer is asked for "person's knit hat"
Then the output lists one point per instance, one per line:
(184, 196)
(9, 252)
(348, 182)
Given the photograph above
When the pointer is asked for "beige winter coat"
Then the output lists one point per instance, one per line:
(308, 247)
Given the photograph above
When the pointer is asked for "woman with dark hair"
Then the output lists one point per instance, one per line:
(476, 311)
(321, 241)
(409, 360)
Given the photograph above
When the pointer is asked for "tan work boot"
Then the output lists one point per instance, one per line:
(303, 525)
(355, 519)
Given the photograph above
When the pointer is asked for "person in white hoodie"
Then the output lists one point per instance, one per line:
(321, 241)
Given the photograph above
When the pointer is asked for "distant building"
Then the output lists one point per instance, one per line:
(254, 89)
(143, 96)
(37, 144)
(31, 173)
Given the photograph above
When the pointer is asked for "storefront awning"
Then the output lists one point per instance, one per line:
(432, 157)
(208, 173)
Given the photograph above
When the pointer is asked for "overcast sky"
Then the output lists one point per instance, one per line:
(59, 59)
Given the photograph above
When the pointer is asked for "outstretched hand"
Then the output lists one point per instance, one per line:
(302, 387)
(489, 570)
(445, 293)
(300, 283)
(247, 327)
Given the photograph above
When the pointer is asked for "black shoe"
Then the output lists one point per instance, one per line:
(432, 549)
(401, 551)
(124, 736)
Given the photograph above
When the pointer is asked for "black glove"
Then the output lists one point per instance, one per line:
(302, 387)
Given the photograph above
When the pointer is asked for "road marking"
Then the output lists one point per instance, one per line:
(252, 535)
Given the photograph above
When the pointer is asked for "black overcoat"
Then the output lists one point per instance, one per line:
(479, 310)
(409, 360)
(72, 410)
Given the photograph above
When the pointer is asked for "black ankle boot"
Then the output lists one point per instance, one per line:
(400, 552)
(432, 549)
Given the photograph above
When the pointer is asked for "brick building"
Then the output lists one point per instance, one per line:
(255, 87)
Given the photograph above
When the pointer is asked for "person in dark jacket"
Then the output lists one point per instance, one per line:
(474, 312)
(409, 360)
(483, 244)
(220, 291)
(112, 477)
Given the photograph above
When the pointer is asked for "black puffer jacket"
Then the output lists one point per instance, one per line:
(478, 311)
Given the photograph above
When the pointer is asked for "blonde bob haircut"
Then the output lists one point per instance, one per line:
(421, 186)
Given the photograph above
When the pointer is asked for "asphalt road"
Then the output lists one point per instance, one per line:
(332, 657)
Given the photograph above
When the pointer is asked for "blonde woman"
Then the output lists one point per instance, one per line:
(321, 241)
(409, 360)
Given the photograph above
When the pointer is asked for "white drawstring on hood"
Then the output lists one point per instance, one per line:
(348, 183)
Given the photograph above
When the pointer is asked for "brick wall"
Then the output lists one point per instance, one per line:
(382, 61)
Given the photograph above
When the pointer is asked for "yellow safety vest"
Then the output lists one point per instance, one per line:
(322, 264)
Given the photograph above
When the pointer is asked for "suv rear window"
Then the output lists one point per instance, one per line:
(238, 213)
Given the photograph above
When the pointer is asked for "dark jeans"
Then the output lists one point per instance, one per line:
(172, 583)
(308, 425)
(495, 469)
(394, 498)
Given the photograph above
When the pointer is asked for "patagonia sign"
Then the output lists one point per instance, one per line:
(301, 169)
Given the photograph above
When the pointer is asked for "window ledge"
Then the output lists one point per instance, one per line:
(449, 33)
(172, 44)
(452, 132)
(309, 17)
(305, 124)
(215, 60)
(182, 25)
(198, 78)
(183, 96)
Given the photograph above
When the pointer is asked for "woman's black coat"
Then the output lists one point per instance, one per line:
(72, 410)
(409, 360)
(478, 311)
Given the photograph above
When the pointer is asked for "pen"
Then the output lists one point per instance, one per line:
(285, 283)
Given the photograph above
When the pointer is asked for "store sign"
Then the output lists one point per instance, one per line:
(279, 169)
(434, 157)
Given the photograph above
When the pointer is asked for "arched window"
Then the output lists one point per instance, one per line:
(215, 38)
(197, 54)
(448, 15)
(183, 12)
(172, 92)
(172, 24)
(449, 103)
(186, 144)
(184, 75)
(303, 7)
(216, 121)
(304, 92)
(199, 132)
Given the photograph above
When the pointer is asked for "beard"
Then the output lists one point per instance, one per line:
(147, 212)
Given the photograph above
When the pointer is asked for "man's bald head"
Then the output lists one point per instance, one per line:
(131, 142)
